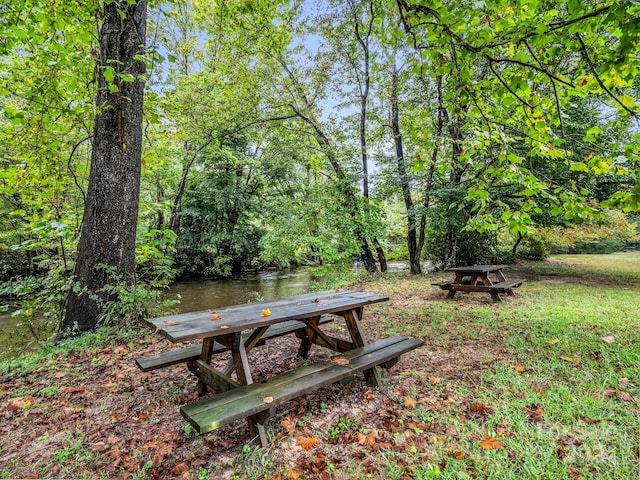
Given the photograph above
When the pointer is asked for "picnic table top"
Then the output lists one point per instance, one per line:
(212, 323)
(477, 269)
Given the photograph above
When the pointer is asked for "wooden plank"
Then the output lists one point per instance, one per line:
(247, 318)
(168, 358)
(209, 414)
(193, 352)
(211, 377)
(471, 288)
(504, 286)
(446, 285)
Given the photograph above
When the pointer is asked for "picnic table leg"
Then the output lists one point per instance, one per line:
(495, 296)
(452, 292)
(307, 338)
(205, 356)
(240, 363)
(501, 278)
(352, 320)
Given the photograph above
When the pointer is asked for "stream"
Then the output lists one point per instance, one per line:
(195, 294)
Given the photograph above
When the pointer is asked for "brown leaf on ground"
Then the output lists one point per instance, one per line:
(625, 396)
(518, 368)
(369, 439)
(489, 443)
(180, 468)
(307, 442)
(478, 410)
(409, 402)
(608, 339)
(567, 440)
(534, 414)
(289, 424)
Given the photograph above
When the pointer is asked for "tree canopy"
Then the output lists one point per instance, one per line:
(303, 132)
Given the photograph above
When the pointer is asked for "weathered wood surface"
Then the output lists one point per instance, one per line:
(246, 401)
(503, 287)
(191, 326)
(476, 269)
(445, 285)
(193, 352)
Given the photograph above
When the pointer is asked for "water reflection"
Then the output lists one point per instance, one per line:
(198, 294)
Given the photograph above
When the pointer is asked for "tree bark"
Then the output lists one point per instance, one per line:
(106, 249)
(403, 177)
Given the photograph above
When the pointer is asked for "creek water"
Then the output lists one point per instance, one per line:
(195, 295)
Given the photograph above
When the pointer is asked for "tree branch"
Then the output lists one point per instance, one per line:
(592, 66)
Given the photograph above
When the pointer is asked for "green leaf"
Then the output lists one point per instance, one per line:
(108, 74)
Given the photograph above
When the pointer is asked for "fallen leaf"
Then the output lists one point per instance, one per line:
(170, 322)
(574, 474)
(99, 447)
(458, 455)
(409, 402)
(489, 443)
(608, 339)
(120, 350)
(340, 360)
(625, 396)
(518, 368)
(553, 341)
(567, 440)
(307, 442)
(224, 326)
(267, 400)
(266, 312)
(534, 413)
(215, 317)
(369, 439)
(180, 468)
(433, 379)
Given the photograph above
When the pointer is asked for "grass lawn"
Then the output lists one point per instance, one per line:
(545, 385)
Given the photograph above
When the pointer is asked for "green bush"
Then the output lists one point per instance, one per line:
(533, 248)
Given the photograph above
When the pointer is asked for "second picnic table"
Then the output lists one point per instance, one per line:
(305, 315)
(476, 278)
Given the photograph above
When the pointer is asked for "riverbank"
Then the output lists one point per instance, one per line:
(544, 385)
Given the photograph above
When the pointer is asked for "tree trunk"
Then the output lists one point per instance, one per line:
(106, 250)
(403, 177)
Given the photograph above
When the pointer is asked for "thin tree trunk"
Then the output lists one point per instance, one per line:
(106, 249)
(432, 166)
(364, 84)
(403, 177)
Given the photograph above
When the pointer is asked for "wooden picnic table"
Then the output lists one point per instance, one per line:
(240, 328)
(480, 278)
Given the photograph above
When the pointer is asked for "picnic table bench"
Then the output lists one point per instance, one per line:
(305, 316)
(475, 278)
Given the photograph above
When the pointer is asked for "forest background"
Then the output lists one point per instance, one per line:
(277, 134)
